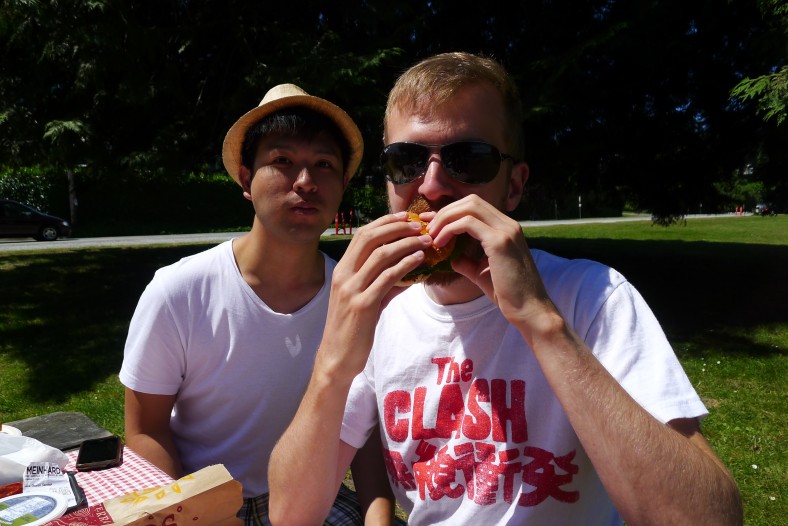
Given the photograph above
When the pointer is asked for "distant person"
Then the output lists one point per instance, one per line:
(515, 388)
(222, 343)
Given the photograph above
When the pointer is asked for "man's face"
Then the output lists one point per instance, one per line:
(476, 113)
(297, 185)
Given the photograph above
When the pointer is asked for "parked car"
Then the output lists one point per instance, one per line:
(18, 220)
(762, 209)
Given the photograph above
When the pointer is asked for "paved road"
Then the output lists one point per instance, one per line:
(19, 245)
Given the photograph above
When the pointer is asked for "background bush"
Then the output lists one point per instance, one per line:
(37, 186)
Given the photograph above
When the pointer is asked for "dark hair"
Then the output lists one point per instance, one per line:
(296, 122)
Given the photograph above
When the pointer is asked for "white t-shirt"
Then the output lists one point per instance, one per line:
(238, 368)
(472, 431)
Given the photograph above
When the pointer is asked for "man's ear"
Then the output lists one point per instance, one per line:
(517, 182)
(345, 181)
(245, 178)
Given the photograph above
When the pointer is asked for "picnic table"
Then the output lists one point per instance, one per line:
(67, 430)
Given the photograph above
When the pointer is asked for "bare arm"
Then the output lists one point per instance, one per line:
(148, 432)
(655, 473)
(309, 458)
(372, 483)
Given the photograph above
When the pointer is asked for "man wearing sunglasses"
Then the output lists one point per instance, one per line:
(522, 388)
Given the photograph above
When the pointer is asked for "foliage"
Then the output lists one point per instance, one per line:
(34, 186)
(741, 191)
(151, 89)
(194, 202)
(769, 90)
(367, 198)
(625, 101)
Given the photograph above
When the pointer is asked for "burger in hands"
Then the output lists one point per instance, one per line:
(436, 259)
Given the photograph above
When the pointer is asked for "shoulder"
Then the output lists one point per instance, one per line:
(195, 262)
(578, 287)
(576, 274)
(199, 267)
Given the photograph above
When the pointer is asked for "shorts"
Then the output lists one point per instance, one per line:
(344, 512)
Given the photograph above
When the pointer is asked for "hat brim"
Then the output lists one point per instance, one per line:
(233, 141)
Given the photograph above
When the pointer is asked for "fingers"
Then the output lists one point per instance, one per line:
(503, 270)
(383, 251)
(478, 218)
(387, 264)
(384, 230)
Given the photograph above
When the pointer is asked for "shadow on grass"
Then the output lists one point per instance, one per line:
(66, 314)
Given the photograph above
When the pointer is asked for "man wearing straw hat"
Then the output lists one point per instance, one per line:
(221, 345)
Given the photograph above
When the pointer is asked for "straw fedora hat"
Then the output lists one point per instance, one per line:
(284, 96)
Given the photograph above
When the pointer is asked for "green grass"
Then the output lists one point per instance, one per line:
(718, 286)
(750, 230)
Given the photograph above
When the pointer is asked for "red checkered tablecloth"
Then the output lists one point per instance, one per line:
(135, 473)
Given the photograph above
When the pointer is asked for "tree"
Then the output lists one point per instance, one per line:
(770, 90)
(627, 102)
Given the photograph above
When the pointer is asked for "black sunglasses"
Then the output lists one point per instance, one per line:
(468, 162)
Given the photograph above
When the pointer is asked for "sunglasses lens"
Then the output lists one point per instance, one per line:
(467, 162)
(404, 162)
(471, 162)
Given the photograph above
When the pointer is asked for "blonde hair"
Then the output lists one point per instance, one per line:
(434, 82)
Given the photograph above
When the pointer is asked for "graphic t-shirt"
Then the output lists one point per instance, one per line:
(472, 432)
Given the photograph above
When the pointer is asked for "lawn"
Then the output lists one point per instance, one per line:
(717, 285)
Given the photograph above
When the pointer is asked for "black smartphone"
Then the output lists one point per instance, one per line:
(100, 453)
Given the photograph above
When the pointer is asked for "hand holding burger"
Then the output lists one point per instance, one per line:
(436, 259)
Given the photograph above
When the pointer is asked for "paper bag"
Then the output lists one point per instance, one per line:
(209, 497)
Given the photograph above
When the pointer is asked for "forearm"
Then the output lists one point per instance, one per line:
(378, 511)
(147, 425)
(307, 460)
(158, 450)
(653, 473)
(372, 483)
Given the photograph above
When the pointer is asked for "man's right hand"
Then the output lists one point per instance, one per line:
(364, 280)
